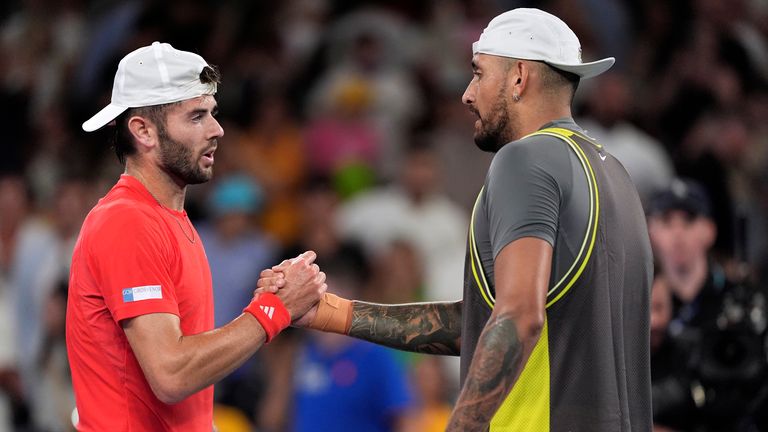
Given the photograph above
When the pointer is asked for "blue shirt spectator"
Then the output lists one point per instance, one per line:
(348, 385)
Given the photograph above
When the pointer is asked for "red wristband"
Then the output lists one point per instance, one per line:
(269, 310)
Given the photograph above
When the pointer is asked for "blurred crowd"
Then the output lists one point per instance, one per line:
(345, 134)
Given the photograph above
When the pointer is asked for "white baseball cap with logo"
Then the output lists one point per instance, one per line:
(532, 34)
(153, 75)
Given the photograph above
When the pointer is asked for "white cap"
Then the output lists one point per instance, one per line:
(153, 75)
(532, 34)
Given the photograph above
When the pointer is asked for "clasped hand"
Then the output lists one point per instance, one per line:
(299, 284)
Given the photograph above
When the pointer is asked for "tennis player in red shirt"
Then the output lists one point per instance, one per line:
(140, 337)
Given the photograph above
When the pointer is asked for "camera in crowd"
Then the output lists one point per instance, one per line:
(728, 361)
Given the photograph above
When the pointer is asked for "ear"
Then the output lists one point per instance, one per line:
(518, 77)
(144, 132)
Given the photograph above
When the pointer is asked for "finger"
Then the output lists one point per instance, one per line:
(322, 289)
(282, 266)
(315, 268)
(271, 273)
(320, 278)
(266, 289)
(308, 256)
(273, 281)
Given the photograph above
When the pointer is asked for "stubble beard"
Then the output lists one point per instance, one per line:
(497, 131)
(179, 161)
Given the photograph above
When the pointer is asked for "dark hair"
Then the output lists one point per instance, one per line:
(210, 75)
(122, 140)
(555, 78)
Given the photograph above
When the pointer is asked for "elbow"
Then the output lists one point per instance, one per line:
(530, 328)
(169, 398)
(528, 324)
(168, 390)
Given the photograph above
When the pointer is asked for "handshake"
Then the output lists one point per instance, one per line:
(294, 293)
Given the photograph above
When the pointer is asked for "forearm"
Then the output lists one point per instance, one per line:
(498, 360)
(195, 362)
(431, 328)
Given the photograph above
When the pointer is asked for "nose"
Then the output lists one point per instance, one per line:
(469, 95)
(216, 130)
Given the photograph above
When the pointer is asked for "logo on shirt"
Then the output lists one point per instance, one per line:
(269, 310)
(142, 293)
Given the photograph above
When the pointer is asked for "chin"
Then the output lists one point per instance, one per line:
(200, 177)
(486, 144)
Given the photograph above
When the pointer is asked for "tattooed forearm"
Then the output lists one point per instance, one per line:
(491, 376)
(431, 328)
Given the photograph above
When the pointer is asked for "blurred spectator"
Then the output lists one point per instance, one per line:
(398, 275)
(29, 261)
(413, 209)
(319, 228)
(319, 204)
(343, 134)
(40, 254)
(607, 120)
(237, 252)
(346, 384)
(10, 386)
(682, 234)
(47, 379)
(56, 398)
(673, 405)
(54, 160)
(451, 137)
(302, 26)
(412, 216)
(431, 385)
(52, 36)
(712, 153)
(720, 326)
(271, 149)
(371, 46)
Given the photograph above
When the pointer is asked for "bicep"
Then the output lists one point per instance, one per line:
(521, 272)
(153, 338)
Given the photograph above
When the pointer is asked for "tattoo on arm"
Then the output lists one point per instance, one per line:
(430, 328)
(491, 376)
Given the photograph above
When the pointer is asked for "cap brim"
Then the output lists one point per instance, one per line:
(587, 70)
(106, 115)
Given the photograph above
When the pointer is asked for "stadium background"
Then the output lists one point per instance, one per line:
(345, 133)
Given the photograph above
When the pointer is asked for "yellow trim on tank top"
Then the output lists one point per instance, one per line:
(594, 207)
(483, 286)
(526, 408)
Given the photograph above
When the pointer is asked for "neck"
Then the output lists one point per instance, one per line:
(162, 186)
(687, 282)
(536, 114)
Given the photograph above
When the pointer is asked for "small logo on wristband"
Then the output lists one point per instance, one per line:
(269, 310)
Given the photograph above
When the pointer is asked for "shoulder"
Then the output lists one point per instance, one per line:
(528, 154)
(123, 220)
